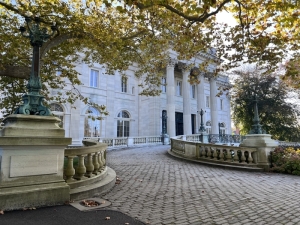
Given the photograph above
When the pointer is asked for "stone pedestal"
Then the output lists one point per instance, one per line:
(165, 139)
(31, 162)
(264, 145)
(203, 137)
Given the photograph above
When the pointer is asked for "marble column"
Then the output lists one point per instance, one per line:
(171, 98)
(187, 121)
(213, 105)
(200, 100)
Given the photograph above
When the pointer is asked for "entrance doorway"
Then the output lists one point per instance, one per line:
(179, 123)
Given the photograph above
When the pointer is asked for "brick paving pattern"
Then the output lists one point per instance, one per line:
(159, 189)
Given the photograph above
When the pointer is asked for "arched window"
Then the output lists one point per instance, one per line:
(58, 111)
(123, 124)
(208, 127)
(91, 124)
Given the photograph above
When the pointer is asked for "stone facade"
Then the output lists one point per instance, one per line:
(131, 114)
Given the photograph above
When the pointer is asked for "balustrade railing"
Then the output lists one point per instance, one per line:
(211, 152)
(127, 141)
(215, 138)
(231, 154)
(91, 161)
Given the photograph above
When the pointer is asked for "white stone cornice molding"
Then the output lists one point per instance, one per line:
(209, 56)
(171, 62)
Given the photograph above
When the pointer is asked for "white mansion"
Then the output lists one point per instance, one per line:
(131, 114)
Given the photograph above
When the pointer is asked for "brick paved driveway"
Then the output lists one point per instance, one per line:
(158, 189)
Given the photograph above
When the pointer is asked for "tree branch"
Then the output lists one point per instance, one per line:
(22, 72)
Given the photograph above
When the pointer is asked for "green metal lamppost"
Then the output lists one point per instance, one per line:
(33, 101)
(256, 127)
(202, 128)
(164, 122)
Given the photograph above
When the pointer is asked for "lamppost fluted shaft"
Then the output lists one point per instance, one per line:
(202, 128)
(256, 127)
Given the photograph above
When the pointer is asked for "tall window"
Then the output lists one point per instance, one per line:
(193, 91)
(124, 84)
(179, 88)
(207, 103)
(123, 124)
(163, 85)
(91, 124)
(94, 77)
(58, 111)
(221, 104)
(222, 128)
(208, 127)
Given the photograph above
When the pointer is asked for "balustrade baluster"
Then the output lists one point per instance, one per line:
(215, 154)
(231, 155)
(250, 158)
(100, 161)
(210, 153)
(89, 165)
(104, 158)
(224, 154)
(96, 163)
(200, 151)
(80, 170)
(236, 157)
(243, 158)
(69, 171)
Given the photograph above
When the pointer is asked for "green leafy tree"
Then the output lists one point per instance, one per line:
(277, 116)
(119, 33)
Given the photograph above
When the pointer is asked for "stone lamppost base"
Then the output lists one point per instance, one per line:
(31, 162)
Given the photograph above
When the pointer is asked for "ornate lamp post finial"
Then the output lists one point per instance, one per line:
(33, 101)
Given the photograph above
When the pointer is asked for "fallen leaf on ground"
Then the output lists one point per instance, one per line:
(107, 218)
(126, 223)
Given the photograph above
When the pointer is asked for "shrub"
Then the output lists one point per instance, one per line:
(286, 160)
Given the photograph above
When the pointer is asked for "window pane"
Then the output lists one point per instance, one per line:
(94, 78)
(207, 101)
(163, 85)
(124, 85)
(120, 128)
(126, 128)
(179, 92)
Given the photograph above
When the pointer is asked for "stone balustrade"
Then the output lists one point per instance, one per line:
(91, 161)
(214, 153)
(215, 138)
(127, 141)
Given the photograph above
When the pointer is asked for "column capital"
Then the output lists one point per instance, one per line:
(171, 62)
(185, 67)
(211, 76)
